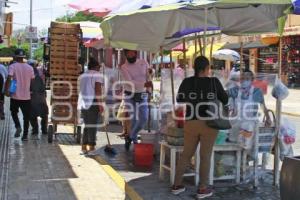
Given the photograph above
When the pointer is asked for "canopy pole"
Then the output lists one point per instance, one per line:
(205, 31)
(172, 80)
(210, 53)
(161, 58)
(200, 45)
(196, 46)
(242, 66)
(119, 58)
(278, 121)
(184, 59)
(87, 55)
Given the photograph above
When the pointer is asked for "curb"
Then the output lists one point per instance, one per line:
(118, 179)
(288, 113)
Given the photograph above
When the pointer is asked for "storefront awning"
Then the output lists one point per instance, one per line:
(248, 45)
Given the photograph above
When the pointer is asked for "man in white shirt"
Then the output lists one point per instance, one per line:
(90, 103)
(134, 76)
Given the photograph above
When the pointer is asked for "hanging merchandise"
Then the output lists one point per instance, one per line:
(287, 131)
(280, 91)
(286, 138)
(246, 134)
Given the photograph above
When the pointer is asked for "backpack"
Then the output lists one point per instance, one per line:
(37, 84)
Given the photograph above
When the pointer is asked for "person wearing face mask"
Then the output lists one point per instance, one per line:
(134, 73)
(90, 103)
(246, 100)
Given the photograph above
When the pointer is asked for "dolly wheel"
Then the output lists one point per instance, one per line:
(50, 133)
(78, 134)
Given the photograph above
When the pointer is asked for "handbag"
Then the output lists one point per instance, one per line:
(219, 122)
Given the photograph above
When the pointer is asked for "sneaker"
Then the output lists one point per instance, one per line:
(18, 132)
(34, 133)
(176, 190)
(204, 193)
(24, 138)
(127, 143)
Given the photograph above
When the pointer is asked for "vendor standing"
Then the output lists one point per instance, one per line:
(244, 110)
(195, 92)
(90, 102)
(135, 84)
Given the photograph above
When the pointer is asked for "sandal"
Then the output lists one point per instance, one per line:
(123, 135)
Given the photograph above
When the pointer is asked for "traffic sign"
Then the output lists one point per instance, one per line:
(31, 32)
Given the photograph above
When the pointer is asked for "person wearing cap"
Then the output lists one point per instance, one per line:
(20, 74)
(39, 107)
(3, 76)
(134, 75)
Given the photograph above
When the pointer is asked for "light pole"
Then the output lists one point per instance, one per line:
(30, 56)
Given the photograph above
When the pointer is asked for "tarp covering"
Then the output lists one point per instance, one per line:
(147, 29)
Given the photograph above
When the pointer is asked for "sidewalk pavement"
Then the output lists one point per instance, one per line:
(146, 184)
(36, 170)
(290, 105)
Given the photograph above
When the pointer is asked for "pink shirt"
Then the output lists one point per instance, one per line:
(23, 73)
(136, 74)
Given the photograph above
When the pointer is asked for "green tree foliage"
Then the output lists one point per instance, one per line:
(78, 17)
(38, 53)
(7, 51)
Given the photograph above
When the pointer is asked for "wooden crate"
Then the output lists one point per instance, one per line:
(54, 54)
(57, 65)
(64, 61)
(57, 43)
(64, 70)
(65, 38)
(66, 94)
(63, 49)
(61, 25)
(68, 71)
(65, 31)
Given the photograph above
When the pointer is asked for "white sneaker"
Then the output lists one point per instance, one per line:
(176, 190)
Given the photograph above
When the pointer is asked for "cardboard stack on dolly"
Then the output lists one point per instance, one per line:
(65, 40)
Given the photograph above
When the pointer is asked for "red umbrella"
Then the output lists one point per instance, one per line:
(99, 8)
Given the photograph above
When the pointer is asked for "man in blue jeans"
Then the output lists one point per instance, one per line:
(135, 83)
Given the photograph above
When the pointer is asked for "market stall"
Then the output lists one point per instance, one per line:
(144, 37)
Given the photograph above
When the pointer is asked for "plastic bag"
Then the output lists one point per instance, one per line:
(287, 131)
(285, 150)
(287, 137)
(246, 134)
(13, 86)
(280, 91)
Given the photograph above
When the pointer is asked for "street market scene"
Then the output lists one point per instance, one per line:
(140, 99)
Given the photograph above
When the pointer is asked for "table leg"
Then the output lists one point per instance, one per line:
(162, 162)
(212, 168)
(197, 165)
(238, 165)
(173, 166)
(244, 165)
